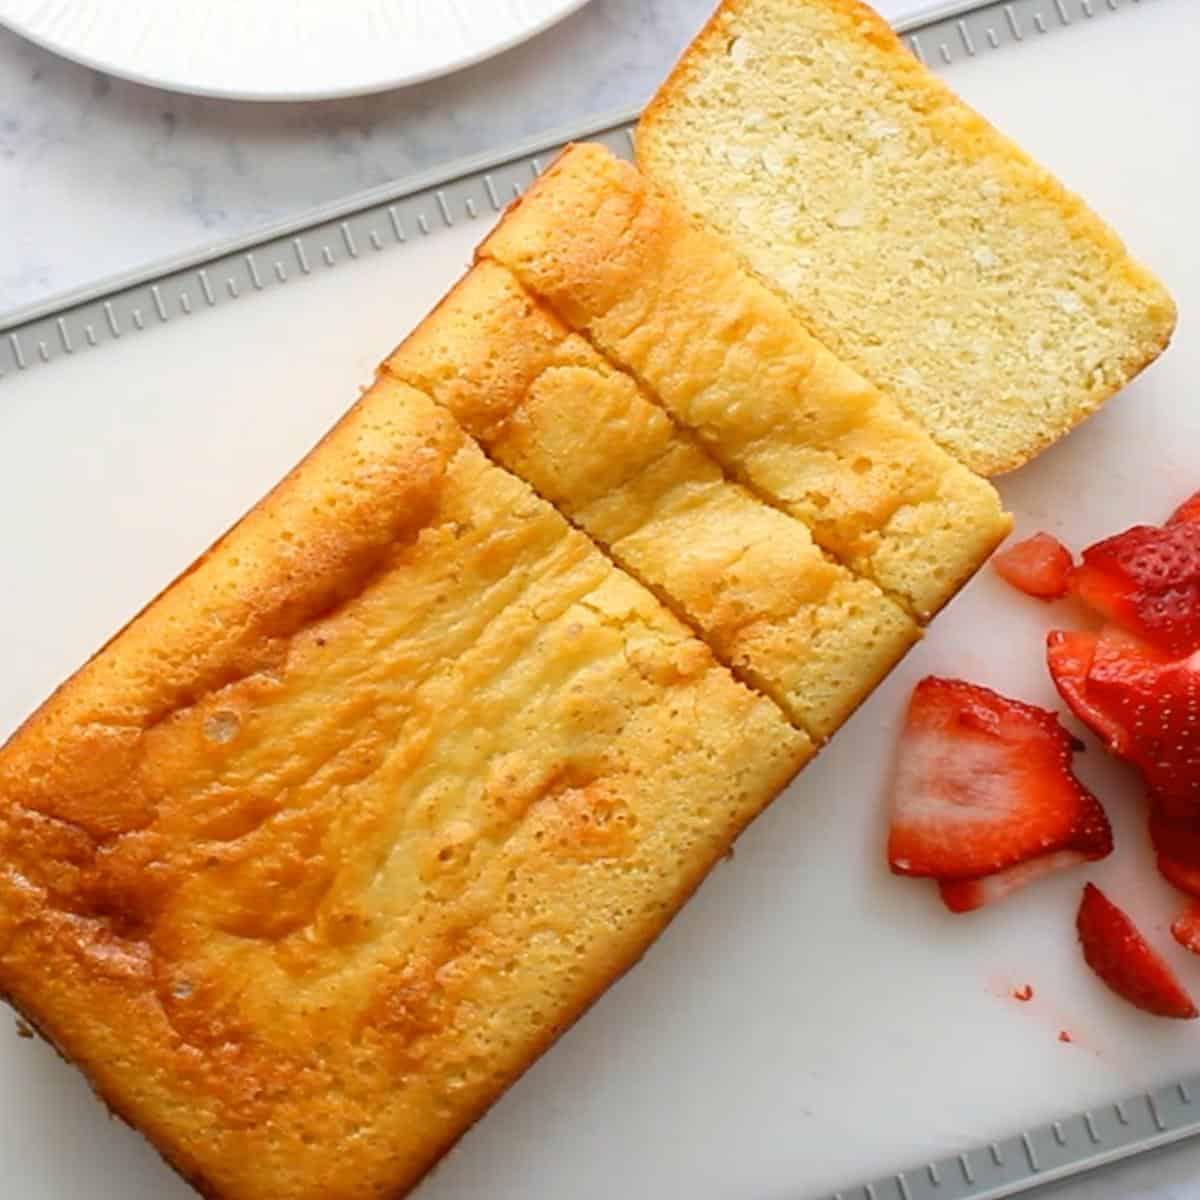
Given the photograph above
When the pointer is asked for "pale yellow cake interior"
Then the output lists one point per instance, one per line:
(920, 245)
(545, 405)
(616, 259)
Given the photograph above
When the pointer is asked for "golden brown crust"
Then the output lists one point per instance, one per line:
(954, 124)
(295, 869)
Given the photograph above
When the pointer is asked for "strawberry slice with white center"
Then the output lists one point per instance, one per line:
(1118, 953)
(983, 784)
(1185, 929)
(1040, 566)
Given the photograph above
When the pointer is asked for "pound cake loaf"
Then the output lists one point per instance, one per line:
(545, 405)
(621, 262)
(314, 858)
(923, 247)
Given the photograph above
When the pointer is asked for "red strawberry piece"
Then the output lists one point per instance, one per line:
(1185, 929)
(1147, 581)
(1185, 878)
(1175, 836)
(1040, 566)
(965, 895)
(1153, 705)
(1069, 655)
(1122, 958)
(1176, 842)
(1189, 510)
(984, 783)
(1143, 703)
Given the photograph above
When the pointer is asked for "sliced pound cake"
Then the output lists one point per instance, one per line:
(920, 245)
(320, 852)
(543, 403)
(618, 260)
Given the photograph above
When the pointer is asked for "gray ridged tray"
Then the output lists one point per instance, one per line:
(387, 218)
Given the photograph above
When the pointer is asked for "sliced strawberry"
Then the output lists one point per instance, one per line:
(1189, 510)
(1147, 581)
(965, 895)
(1185, 929)
(1178, 875)
(984, 783)
(1143, 703)
(1176, 839)
(1069, 656)
(1176, 836)
(1153, 704)
(1121, 957)
(1040, 566)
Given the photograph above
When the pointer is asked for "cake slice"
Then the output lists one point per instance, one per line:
(923, 247)
(548, 407)
(618, 260)
(320, 852)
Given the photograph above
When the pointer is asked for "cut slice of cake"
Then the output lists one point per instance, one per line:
(918, 243)
(318, 854)
(618, 260)
(543, 403)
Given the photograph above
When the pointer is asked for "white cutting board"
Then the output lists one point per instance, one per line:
(808, 1020)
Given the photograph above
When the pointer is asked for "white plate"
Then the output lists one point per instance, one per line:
(280, 49)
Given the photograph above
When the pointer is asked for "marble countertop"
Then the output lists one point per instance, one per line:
(99, 177)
